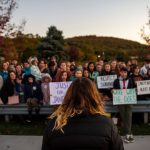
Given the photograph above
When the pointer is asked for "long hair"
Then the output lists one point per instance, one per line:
(82, 96)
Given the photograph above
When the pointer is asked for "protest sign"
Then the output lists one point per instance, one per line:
(1, 102)
(13, 100)
(143, 87)
(104, 82)
(58, 91)
(124, 96)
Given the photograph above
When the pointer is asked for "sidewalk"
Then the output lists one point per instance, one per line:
(34, 143)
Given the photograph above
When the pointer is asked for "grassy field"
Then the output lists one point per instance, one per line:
(19, 126)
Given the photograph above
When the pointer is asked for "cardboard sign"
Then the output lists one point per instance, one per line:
(143, 87)
(104, 82)
(1, 102)
(58, 91)
(13, 100)
(124, 96)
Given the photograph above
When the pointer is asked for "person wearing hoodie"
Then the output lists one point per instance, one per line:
(35, 71)
(32, 94)
(46, 79)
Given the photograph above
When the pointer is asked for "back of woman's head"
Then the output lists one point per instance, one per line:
(82, 96)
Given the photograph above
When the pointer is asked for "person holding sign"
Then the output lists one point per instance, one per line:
(80, 121)
(123, 82)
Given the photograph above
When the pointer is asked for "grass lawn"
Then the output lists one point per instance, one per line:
(18, 126)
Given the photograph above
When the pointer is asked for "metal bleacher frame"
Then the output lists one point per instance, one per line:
(142, 106)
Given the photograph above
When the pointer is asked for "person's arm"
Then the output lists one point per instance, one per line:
(116, 141)
(46, 142)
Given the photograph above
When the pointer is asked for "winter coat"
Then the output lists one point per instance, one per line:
(116, 84)
(4, 74)
(35, 71)
(8, 89)
(32, 91)
(83, 132)
(45, 92)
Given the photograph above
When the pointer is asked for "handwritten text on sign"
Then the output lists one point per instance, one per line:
(124, 96)
(58, 91)
(104, 82)
(143, 87)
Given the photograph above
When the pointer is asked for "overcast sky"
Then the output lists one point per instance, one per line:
(116, 18)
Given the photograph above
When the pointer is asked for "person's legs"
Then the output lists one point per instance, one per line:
(128, 119)
(30, 108)
(126, 115)
(36, 105)
(122, 114)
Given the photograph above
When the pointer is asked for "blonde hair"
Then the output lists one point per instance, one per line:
(82, 96)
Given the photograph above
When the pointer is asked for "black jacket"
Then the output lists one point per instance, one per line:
(116, 84)
(83, 132)
(7, 90)
(32, 91)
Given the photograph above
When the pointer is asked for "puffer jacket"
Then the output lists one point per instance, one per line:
(83, 132)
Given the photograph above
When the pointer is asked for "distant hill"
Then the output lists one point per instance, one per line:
(89, 47)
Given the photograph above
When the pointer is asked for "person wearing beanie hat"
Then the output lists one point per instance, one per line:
(32, 95)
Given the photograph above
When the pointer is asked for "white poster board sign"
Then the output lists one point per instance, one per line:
(124, 96)
(58, 91)
(143, 87)
(104, 82)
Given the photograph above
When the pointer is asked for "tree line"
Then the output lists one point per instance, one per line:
(14, 44)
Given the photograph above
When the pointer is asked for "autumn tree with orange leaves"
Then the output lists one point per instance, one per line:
(8, 29)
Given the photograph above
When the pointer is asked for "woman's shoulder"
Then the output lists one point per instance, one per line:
(50, 123)
(104, 119)
(93, 118)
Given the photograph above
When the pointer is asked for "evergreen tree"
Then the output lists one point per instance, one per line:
(52, 44)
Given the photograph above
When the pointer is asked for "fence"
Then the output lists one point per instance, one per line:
(22, 109)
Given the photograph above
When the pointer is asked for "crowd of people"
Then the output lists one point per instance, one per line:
(30, 79)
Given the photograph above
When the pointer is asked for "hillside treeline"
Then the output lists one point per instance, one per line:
(90, 47)
(82, 48)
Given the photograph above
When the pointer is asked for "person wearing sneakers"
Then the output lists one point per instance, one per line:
(123, 82)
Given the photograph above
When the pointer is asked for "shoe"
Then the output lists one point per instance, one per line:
(126, 139)
(131, 138)
(28, 121)
(37, 111)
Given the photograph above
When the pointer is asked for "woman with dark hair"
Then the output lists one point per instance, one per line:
(9, 87)
(63, 76)
(80, 122)
(92, 71)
